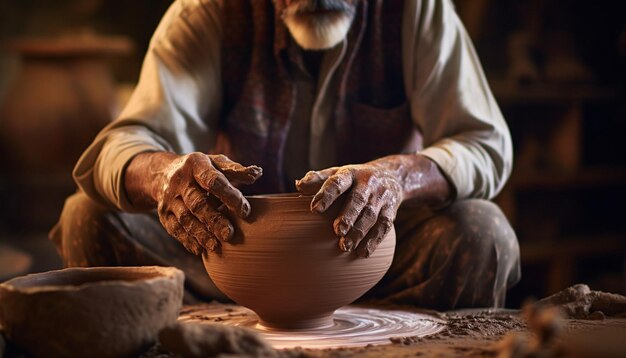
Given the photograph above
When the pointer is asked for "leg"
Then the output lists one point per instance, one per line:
(466, 255)
(89, 234)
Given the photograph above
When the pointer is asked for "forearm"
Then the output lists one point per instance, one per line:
(421, 179)
(144, 175)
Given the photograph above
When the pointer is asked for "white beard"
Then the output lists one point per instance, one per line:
(319, 31)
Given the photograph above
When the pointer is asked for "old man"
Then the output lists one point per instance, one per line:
(379, 102)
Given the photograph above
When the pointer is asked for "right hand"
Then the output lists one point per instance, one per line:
(186, 193)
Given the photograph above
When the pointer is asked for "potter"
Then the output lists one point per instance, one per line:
(377, 109)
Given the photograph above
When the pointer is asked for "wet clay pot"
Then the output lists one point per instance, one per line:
(284, 263)
(90, 312)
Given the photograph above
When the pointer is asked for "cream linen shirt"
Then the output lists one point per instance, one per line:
(177, 102)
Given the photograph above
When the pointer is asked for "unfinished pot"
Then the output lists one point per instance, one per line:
(285, 265)
(90, 312)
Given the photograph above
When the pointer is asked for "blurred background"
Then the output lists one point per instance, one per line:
(557, 68)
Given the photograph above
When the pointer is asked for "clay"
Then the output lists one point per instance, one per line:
(468, 333)
(354, 326)
(483, 324)
(552, 336)
(579, 301)
(605, 341)
(209, 340)
(90, 312)
(284, 264)
(41, 140)
(545, 323)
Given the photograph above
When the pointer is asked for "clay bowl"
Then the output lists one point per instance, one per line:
(285, 265)
(90, 312)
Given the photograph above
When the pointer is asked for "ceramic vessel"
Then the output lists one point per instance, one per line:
(284, 263)
(90, 312)
(59, 95)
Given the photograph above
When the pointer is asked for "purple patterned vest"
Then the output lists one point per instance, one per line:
(371, 118)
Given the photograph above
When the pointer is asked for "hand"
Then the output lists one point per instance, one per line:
(188, 191)
(373, 197)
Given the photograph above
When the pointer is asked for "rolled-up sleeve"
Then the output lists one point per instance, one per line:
(175, 106)
(463, 129)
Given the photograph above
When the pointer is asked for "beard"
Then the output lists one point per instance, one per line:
(319, 24)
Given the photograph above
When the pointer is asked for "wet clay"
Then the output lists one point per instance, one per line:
(284, 264)
(209, 340)
(353, 326)
(90, 312)
(579, 301)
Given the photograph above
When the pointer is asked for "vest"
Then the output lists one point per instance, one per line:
(371, 117)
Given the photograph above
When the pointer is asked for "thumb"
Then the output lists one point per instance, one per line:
(235, 172)
(312, 182)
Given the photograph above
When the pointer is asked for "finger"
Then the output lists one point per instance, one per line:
(377, 233)
(196, 201)
(312, 181)
(333, 187)
(236, 172)
(173, 227)
(362, 226)
(190, 222)
(357, 199)
(212, 244)
(216, 183)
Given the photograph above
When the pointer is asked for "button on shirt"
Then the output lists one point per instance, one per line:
(177, 103)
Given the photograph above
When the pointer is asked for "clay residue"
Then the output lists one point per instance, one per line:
(551, 335)
(489, 325)
(353, 326)
(208, 340)
(477, 333)
(581, 302)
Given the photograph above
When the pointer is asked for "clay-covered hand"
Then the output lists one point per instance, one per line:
(373, 197)
(189, 189)
(374, 191)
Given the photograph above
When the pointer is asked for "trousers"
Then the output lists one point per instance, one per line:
(465, 255)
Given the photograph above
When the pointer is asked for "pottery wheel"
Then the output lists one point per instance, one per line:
(354, 326)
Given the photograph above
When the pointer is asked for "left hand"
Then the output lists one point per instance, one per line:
(373, 197)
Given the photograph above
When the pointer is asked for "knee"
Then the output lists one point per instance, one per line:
(81, 215)
(80, 230)
(480, 226)
(483, 249)
(79, 205)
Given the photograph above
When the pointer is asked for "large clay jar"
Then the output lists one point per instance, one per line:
(90, 312)
(284, 264)
(59, 97)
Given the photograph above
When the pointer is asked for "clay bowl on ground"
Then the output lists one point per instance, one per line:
(90, 312)
(284, 263)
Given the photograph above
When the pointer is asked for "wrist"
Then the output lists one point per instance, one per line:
(144, 177)
(421, 179)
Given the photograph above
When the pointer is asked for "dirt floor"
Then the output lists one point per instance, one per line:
(576, 322)
(478, 333)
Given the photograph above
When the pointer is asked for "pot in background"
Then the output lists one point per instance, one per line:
(59, 94)
(284, 263)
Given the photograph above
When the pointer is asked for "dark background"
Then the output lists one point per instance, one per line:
(566, 195)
